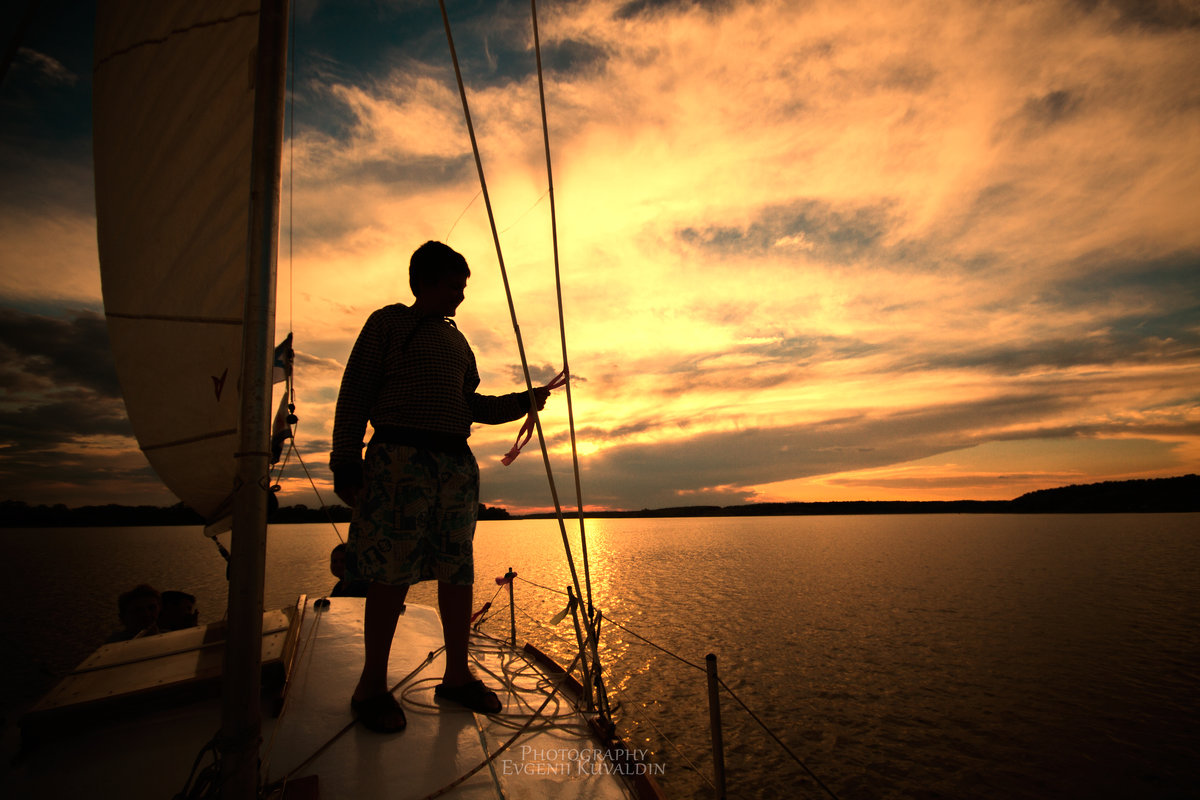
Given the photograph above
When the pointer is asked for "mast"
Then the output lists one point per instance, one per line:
(241, 715)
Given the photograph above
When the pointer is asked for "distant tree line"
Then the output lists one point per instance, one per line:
(1161, 495)
(1156, 495)
(1180, 494)
(16, 514)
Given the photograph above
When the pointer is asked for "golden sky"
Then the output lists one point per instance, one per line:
(809, 251)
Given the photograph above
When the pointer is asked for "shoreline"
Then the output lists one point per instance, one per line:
(1148, 496)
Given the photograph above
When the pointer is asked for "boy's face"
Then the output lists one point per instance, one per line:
(445, 296)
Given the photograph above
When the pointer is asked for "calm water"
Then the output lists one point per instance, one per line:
(910, 656)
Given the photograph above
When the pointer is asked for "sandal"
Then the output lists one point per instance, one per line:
(473, 695)
(381, 713)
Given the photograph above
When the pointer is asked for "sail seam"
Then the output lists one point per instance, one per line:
(175, 32)
(174, 318)
(191, 440)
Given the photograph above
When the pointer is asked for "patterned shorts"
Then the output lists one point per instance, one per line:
(416, 521)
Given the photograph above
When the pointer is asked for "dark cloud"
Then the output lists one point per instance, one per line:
(409, 174)
(43, 458)
(60, 392)
(1041, 113)
(46, 90)
(833, 235)
(77, 477)
(45, 426)
(1168, 284)
(61, 352)
(640, 8)
(677, 471)
(1152, 15)
(572, 56)
(51, 69)
(752, 365)
(541, 374)
(1157, 340)
(1140, 313)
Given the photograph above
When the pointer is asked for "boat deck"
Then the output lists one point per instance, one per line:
(152, 753)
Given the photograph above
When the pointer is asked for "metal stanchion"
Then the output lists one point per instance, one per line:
(512, 608)
(714, 719)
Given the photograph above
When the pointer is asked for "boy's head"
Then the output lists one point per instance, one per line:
(178, 611)
(139, 607)
(434, 263)
(337, 561)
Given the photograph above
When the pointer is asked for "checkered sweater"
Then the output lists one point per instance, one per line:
(412, 372)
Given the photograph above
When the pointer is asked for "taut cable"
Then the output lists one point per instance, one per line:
(562, 326)
(487, 201)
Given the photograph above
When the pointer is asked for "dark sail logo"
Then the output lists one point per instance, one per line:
(219, 383)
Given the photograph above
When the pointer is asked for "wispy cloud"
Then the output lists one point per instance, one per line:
(49, 69)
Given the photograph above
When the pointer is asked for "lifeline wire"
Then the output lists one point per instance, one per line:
(462, 91)
(720, 680)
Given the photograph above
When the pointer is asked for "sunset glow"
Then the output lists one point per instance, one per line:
(809, 251)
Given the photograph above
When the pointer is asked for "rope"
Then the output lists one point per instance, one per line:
(512, 740)
(350, 725)
(562, 328)
(679, 750)
(657, 646)
(526, 212)
(462, 91)
(462, 213)
(631, 706)
(291, 91)
(317, 491)
(696, 667)
(778, 741)
(540, 586)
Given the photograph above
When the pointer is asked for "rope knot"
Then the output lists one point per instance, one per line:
(526, 432)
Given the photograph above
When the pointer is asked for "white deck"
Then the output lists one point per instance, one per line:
(151, 755)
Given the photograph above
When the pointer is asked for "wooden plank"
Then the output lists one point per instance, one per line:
(168, 668)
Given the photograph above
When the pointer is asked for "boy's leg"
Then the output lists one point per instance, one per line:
(384, 603)
(454, 603)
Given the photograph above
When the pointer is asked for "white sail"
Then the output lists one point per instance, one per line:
(173, 116)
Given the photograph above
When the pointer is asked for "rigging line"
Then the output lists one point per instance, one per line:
(512, 310)
(656, 646)
(313, 484)
(778, 741)
(703, 774)
(350, 725)
(462, 213)
(540, 586)
(291, 162)
(525, 213)
(562, 327)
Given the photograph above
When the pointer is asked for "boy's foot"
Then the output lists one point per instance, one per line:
(381, 713)
(473, 695)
